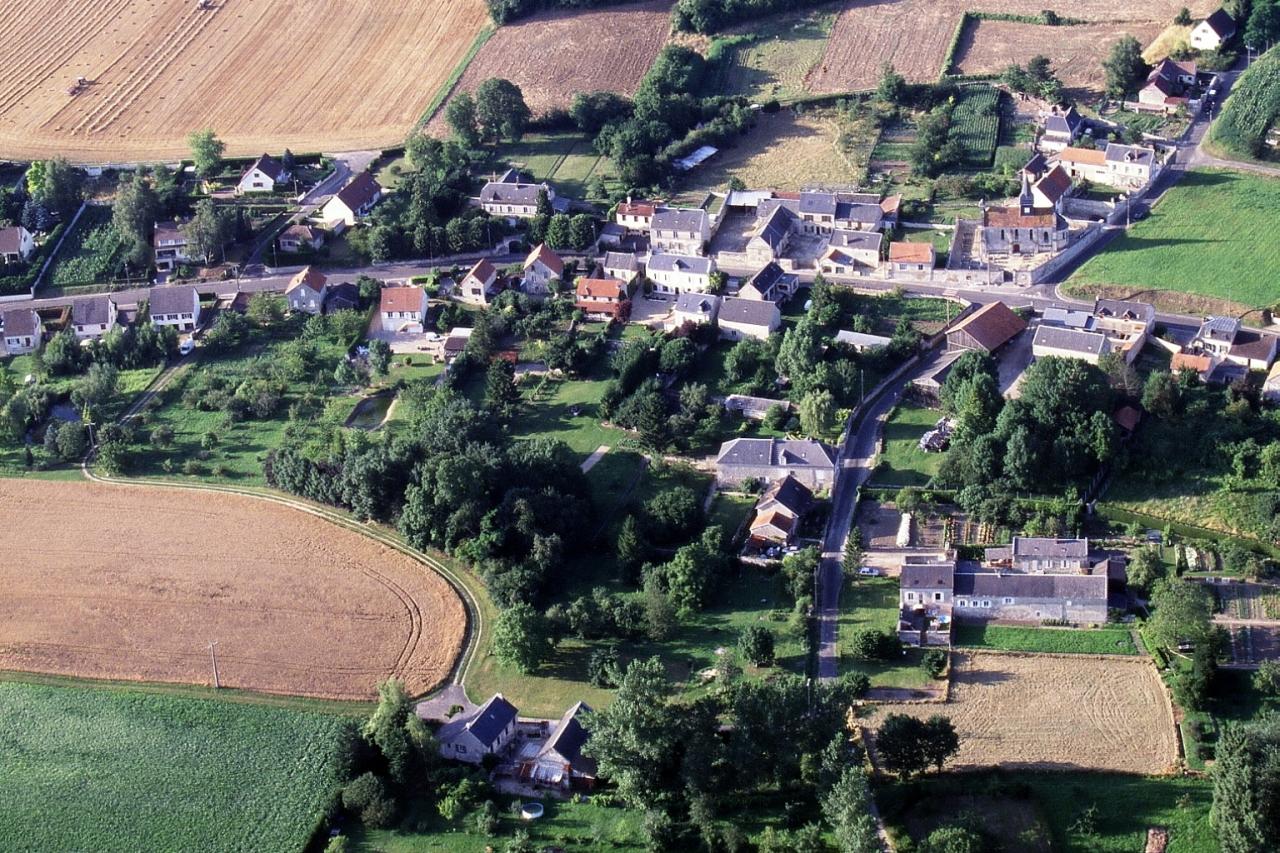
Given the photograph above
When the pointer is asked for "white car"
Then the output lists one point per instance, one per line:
(868, 571)
(186, 347)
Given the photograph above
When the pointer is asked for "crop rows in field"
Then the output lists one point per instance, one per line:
(975, 122)
(91, 253)
(105, 770)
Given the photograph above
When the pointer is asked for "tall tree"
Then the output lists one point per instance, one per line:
(817, 413)
(208, 230)
(57, 185)
(206, 152)
(1246, 787)
(633, 740)
(134, 215)
(521, 637)
(847, 809)
(461, 116)
(399, 734)
(500, 110)
(1124, 67)
(501, 396)
(1182, 612)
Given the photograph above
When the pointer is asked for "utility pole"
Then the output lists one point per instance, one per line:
(213, 656)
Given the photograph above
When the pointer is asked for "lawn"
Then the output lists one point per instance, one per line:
(1080, 812)
(566, 410)
(903, 463)
(567, 160)
(1091, 641)
(1212, 235)
(873, 603)
(96, 769)
(773, 58)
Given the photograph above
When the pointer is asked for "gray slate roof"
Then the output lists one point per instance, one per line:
(776, 226)
(501, 192)
(21, 322)
(927, 575)
(697, 303)
(680, 263)
(1071, 340)
(691, 220)
(780, 452)
(172, 300)
(865, 240)
(492, 717)
(1219, 329)
(1032, 546)
(818, 203)
(1063, 124)
(1117, 153)
(750, 312)
(621, 261)
(859, 212)
(769, 277)
(1076, 588)
(790, 493)
(93, 311)
(1125, 310)
(566, 740)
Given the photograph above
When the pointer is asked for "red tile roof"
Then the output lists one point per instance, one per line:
(636, 208)
(601, 289)
(549, 258)
(400, 299)
(991, 325)
(1190, 361)
(483, 270)
(309, 276)
(1090, 156)
(912, 253)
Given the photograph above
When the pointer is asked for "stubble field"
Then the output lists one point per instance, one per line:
(553, 55)
(914, 35)
(1047, 712)
(131, 582)
(332, 75)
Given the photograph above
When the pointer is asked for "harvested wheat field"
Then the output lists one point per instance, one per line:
(554, 55)
(133, 582)
(332, 75)
(1057, 712)
(914, 35)
(988, 47)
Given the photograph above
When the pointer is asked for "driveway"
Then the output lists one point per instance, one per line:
(1013, 362)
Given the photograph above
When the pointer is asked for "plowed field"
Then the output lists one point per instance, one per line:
(988, 47)
(131, 582)
(914, 35)
(1057, 712)
(332, 75)
(554, 55)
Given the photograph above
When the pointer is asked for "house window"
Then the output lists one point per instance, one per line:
(937, 596)
(911, 596)
(1007, 600)
(986, 603)
(459, 747)
(960, 602)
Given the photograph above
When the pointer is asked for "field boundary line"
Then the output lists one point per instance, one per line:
(451, 82)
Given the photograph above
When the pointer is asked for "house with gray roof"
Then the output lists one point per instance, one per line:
(1061, 127)
(680, 273)
(559, 762)
(93, 316)
(748, 318)
(812, 463)
(175, 305)
(851, 253)
(697, 308)
(1069, 343)
(22, 331)
(679, 231)
(1213, 31)
(925, 588)
(486, 731)
(770, 284)
(514, 196)
(624, 266)
(771, 236)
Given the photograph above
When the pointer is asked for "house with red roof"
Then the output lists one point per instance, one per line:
(541, 268)
(402, 309)
(600, 297)
(480, 284)
(307, 290)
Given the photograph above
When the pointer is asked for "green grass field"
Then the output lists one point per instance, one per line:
(1213, 235)
(566, 160)
(903, 463)
(773, 59)
(94, 769)
(873, 603)
(1092, 641)
(550, 413)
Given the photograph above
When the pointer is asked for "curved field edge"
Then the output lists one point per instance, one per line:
(211, 775)
(470, 590)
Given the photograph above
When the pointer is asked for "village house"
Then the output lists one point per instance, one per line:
(851, 253)
(559, 762)
(300, 238)
(987, 329)
(16, 245)
(770, 284)
(93, 316)
(1213, 31)
(1113, 326)
(1128, 167)
(1126, 324)
(754, 408)
(912, 258)
(455, 343)
(480, 284)
(635, 216)
(307, 290)
(811, 463)
(778, 513)
(1061, 127)
(264, 175)
(600, 297)
(679, 231)
(169, 243)
(1069, 343)
(925, 588)
(177, 306)
(1168, 84)
(352, 203)
(696, 308)
(402, 309)
(515, 196)
(22, 331)
(1223, 350)
(542, 268)
(680, 273)
(771, 236)
(486, 731)
(624, 266)
(748, 318)
(1050, 189)
(342, 297)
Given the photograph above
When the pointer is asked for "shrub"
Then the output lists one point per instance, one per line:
(755, 644)
(934, 662)
(874, 644)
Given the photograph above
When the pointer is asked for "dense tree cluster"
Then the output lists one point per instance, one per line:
(1246, 787)
(1253, 107)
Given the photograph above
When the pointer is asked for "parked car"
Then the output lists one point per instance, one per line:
(186, 347)
(870, 572)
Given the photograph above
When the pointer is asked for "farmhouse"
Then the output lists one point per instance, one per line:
(680, 231)
(636, 216)
(911, 257)
(480, 284)
(1061, 127)
(22, 331)
(987, 329)
(264, 175)
(624, 266)
(925, 589)
(93, 317)
(812, 463)
(514, 196)
(770, 284)
(487, 731)
(177, 306)
(300, 238)
(1213, 31)
(851, 253)
(170, 245)
(559, 763)
(748, 318)
(771, 236)
(307, 290)
(680, 273)
(778, 512)
(1069, 343)
(541, 269)
(402, 309)
(16, 244)
(600, 297)
(352, 203)
(696, 308)
(1124, 166)
(1168, 84)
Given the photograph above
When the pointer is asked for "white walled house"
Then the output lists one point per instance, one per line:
(352, 202)
(177, 306)
(402, 309)
(264, 175)
(1210, 33)
(680, 273)
(478, 284)
(16, 244)
(748, 318)
(307, 290)
(300, 238)
(471, 737)
(635, 216)
(170, 245)
(624, 266)
(22, 331)
(93, 317)
(679, 231)
(541, 268)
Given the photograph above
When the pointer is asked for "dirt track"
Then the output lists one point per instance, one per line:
(331, 75)
(1057, 712)
(130, 582)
